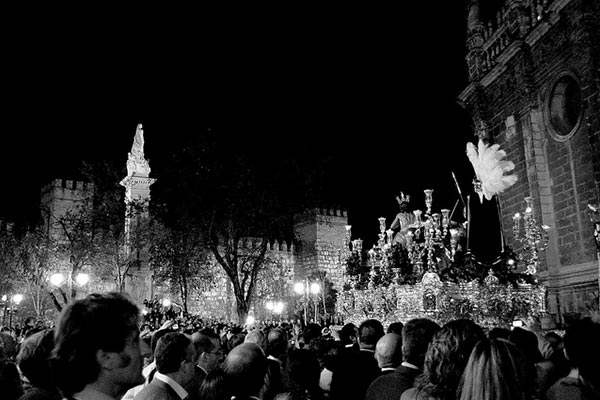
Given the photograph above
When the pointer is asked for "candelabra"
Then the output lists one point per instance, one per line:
(433, 229)
(378, 255)
(532, 236)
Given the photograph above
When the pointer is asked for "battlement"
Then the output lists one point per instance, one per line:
(68, 184)
(273, 245)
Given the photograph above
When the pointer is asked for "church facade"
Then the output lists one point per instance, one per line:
(534, 88)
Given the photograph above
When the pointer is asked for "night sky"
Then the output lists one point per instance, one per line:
(371, 91)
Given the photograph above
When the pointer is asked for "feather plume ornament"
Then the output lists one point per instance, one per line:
(490, 168)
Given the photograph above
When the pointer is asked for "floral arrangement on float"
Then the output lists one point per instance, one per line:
(422, 266)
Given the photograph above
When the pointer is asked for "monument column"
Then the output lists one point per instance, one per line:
(138, 280)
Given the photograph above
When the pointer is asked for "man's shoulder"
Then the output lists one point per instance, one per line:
(155, 390)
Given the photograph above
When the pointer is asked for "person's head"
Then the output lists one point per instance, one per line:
(498, 333)
(33, 358)
(257, 336)
(582, 349)
(304, 369)
(348, 334)
(447, 356)
(236, 340)
(496, 370)
(395, 327)
(416, 336)
(276, 343)
(215, 387)
(369, 332)
(246, 366)
(8, 346)
(156, 337)
(175, 357)
(527, 342)
(97, 340)
(388, 351)
(209, 353)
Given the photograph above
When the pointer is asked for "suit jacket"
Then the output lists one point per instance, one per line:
(157, 390)
(391, 386)
(276, 380)
(193, 388)
(353, 375)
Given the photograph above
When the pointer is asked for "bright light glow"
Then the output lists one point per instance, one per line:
(528, 210)
(299, 287)
(57, 279)
(278, 307)
(315, 288)
(250, 320)
(166, 302)
(4, 298)
(144, 311)
(17, 298)
(269, 305)
(511, 261)
(82, 278)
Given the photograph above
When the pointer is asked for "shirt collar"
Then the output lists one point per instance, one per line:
(181, 392)
(274, 359)
(148, 368)
(91, 394)
(409, 365)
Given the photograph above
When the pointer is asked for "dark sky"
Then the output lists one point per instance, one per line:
(372, 90)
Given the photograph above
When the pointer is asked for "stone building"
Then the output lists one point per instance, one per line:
(534, 88)
(318, 246)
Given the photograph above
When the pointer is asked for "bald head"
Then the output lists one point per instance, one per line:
(246, 365)
(388, 351)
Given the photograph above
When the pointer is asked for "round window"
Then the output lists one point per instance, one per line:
(565, 107)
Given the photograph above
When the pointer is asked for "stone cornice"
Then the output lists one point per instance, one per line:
(130, 181)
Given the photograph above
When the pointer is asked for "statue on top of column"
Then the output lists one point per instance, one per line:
(137, 165)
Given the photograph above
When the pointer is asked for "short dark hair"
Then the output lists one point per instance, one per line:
(370, 331)
(97, 322)
(156, 336)
(347, 332)
(395, 327)
(416, 336)
(204, 342)
(171, 350)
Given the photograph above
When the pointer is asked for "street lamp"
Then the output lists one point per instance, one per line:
(16, 300)
(305, 289)
(274, 307)
(58, 279)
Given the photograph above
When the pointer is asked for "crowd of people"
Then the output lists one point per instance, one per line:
(100, 350)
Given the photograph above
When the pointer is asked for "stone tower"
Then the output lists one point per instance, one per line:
(534, 88)
(137, 199)
(320, 235)
(62, 196)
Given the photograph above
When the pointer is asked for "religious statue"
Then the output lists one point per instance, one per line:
(137, 148)
(137, 165)
(403, 220)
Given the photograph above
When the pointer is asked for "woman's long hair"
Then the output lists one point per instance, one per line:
(496, 370)
(446, 358)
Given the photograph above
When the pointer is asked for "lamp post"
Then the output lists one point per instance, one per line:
(16, 300)
(59, 279)
(305, 289)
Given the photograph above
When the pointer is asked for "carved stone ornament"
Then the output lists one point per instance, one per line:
(137, 165)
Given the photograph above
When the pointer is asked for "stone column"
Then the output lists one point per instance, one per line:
(138, 280)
